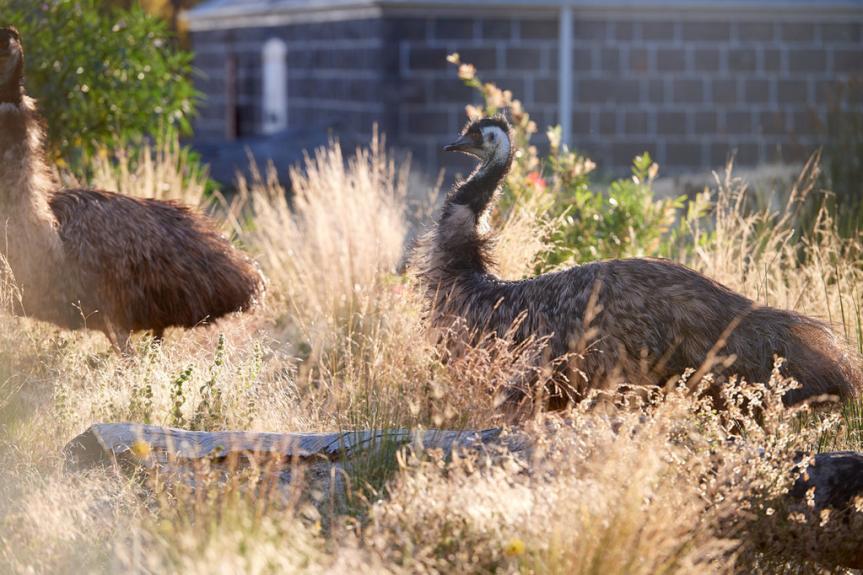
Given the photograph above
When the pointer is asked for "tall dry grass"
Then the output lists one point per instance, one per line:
(664, 486)
(164, 171)
(339, 240)
(760, 254)
(654, 489)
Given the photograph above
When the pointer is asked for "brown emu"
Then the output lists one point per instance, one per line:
(100, 260)
(652, 318)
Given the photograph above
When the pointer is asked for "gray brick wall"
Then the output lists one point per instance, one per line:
(335, 74)
(689, 91)
(692, 92)
(519, 54)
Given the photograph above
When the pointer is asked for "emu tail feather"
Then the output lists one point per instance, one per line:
(822, 363)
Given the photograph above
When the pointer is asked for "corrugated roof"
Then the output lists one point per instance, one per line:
(212, 8)
(241, 13)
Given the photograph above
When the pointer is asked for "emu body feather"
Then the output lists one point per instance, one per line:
(100, 260)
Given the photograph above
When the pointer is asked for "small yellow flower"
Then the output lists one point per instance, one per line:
(494, 96)
(103, 153)
(454, 58)
(61, 163)
(514, 548)
(473, 112)
(466, 72)
(554, 137)
(141, 449)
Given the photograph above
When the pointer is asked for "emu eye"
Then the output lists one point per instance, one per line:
(491, 137)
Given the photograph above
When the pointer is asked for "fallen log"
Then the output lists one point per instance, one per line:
(836, 477)
(148, 445)
(831, 488)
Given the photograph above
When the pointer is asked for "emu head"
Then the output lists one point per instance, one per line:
(485, 139)
(11, 66)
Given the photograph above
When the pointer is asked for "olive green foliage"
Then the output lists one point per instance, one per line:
(104, 76)
(586, 221)
(623, 221)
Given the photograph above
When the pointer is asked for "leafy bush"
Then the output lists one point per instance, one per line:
(103, 77)
(586, 223)
(625, 221)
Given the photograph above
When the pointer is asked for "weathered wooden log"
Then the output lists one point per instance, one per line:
(831, 488)
(837, 478)
(105, 443)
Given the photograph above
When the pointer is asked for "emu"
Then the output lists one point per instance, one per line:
(94, 259)
(635, 321)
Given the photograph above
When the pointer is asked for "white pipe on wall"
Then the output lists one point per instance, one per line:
(564, 74)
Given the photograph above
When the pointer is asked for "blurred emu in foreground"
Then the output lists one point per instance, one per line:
(99, 260)
(633, 321)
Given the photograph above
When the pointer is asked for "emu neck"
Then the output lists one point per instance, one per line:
(10, 94)
(23, 172)
(12, 91)
(462, 247)
(478, 191)
(25, 182)
(30, 242)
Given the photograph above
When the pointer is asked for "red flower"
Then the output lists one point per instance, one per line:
(537, 180)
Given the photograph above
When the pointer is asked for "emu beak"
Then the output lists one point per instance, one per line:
(465, 143)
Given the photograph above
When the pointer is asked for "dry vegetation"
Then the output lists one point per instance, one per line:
(641, 486)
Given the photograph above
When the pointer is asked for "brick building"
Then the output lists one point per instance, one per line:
(687, 80)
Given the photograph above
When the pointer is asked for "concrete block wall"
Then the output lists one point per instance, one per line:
(335, 73)
(692, 91)
(517, 54)
(689, 89)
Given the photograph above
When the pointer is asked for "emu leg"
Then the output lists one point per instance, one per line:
(121, 340)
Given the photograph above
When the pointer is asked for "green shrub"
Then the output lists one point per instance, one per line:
(103, 76)
(624, 221)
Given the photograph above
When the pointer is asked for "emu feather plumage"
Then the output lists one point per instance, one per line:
(100, 260)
